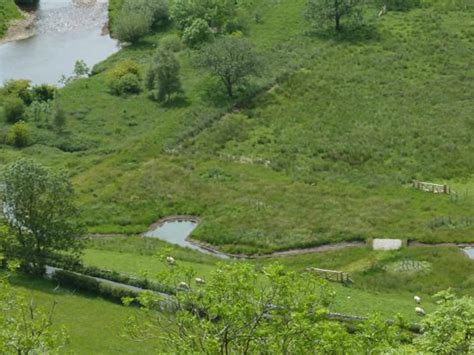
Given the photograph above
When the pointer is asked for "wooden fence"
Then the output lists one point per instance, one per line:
(331, 275)
(429, 187)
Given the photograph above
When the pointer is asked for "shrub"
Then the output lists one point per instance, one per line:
(89, 284)
(19, 88)
(124, 67)
(133, 23)
(124, 78)
(127, 84)
(197, 33)
(43, 92)
(171, 43)
(163, 75)
(14, 109)
(19, 135)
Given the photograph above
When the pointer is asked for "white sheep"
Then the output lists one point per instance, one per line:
(170, 260)
(420, 311)
(417, 299)
(183, 286)
(199, 281)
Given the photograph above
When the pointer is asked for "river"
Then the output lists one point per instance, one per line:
(65, 31)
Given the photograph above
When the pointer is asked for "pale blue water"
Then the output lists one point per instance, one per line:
(177, 232)
(470, 252)
(65, 33)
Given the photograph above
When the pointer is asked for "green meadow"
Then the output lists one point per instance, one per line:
(322, 148)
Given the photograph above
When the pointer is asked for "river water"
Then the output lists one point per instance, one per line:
(66, 31)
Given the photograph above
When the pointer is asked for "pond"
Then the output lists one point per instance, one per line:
(65, 31)
(470, 252)
(176, 232)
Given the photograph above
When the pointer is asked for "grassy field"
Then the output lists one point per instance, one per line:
(94, 325)
(8, 11)
(380, 278)
(343, 125)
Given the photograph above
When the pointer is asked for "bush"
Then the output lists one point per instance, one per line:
(14, 109)
(124, 78)
(123, 68)
(171, 43)
(91, 285)
(133, 23)
(43, 92)
(19, 135)
(198, 32)
(19, 88)
(127, 84)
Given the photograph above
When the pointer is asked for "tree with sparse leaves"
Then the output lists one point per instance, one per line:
(41, 215)
(24, 327)
(231, 59)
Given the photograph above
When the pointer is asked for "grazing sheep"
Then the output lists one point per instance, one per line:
(420, 311)
(183, 286)
(199, 281)
(417, 299)
(170, 260)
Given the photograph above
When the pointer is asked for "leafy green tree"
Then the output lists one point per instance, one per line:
(231, 59)
(14, 109)
(163, 75)
(196, 33)
(19, 135)
(449, 329)
(322, 13)
(24, 327)
(241, 310)
(41, 215)
(215, 13)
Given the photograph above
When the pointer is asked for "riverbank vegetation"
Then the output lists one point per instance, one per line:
(8, 12)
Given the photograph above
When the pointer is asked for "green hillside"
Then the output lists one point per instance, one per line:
(322, 148)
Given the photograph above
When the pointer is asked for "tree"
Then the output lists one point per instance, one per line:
(449, 329)
(25, 328)
(323, 12)
(163, 75)
(41, 215)
(231, 59)
(242, 310)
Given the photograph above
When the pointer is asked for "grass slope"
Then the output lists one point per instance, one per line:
(324, 151)
(94, 325)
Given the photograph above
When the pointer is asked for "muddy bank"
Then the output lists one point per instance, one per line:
(20, 29)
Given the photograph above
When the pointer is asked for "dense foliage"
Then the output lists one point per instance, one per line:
(40, 211)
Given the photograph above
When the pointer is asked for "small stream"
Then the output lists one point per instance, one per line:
(470, 252)
(65, 31)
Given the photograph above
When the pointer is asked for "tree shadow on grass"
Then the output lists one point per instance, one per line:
(176, 102)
